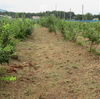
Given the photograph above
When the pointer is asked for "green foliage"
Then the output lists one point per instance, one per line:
(92, 33)
(23, 27)
(74, 66)
(8, 78)
(62, 26)
(50, 22)
(3, 76)
(6, 53)
(79, 43)
(43, 21)
(71, 30)
(88, 16)
(95, 52)
(16, 15)
(11, 31)
(6, 36)
(2, 72)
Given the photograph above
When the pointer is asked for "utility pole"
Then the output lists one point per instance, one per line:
(82, 12)
(64, 15)
(70, 14)
(99, 10)
(99, 7)
(56, 10)
(55, 6)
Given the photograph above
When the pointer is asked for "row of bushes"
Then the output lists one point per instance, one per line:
(12, 31)
(71, 30)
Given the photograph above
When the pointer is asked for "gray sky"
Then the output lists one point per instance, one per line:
(92, 6)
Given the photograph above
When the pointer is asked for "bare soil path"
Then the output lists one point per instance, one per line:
(53, 69)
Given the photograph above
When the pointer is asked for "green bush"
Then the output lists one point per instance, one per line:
(50, 22)
(93, 35)
(11, 31)
(6, 53)
(71, 29)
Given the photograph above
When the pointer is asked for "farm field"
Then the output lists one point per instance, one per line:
(48, 67)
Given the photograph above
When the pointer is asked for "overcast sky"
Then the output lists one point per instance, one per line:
(34, 6)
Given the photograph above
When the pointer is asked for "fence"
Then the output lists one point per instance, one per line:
(85, 20)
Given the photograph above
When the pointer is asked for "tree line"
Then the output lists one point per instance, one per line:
(60, 14)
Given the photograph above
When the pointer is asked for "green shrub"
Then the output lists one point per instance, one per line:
(6, 53)
(50, 22)
(93, 36)
(10, 31)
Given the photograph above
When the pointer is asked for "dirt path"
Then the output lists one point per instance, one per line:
(60, 70)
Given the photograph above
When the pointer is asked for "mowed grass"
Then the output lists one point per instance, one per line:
(59, 70)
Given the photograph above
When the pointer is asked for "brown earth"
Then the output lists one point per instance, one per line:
(48, 67)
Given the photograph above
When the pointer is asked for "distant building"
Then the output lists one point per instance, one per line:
(19, 18)
(96, 19)
(1, 15)
(7, 16)
(35, 17)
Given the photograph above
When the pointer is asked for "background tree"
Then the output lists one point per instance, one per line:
(88, 16)
(78, 17)
(59, 14)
